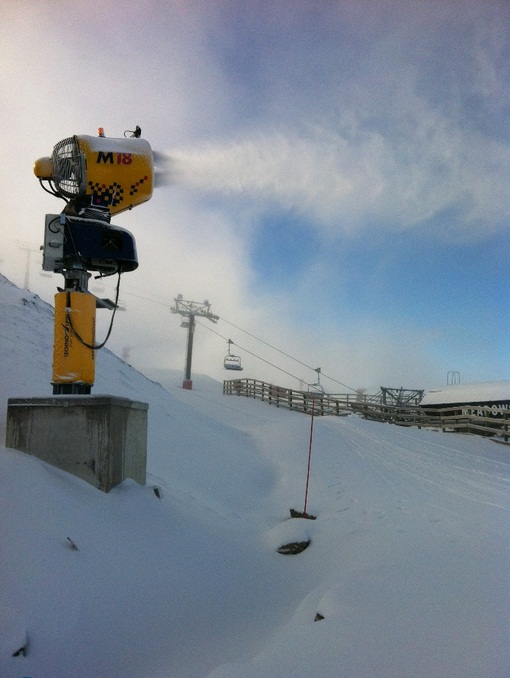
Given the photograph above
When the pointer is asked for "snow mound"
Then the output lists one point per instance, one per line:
(469, 393)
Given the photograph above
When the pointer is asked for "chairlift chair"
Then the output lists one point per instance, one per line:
(232, 362)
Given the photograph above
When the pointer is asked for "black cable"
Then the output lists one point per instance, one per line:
(68, 231)
(250, 352)
(135, 133)
(53, 221)
(267, 344)
(288, 356)
(94, 347)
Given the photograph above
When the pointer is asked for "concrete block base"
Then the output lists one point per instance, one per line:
(101, 439)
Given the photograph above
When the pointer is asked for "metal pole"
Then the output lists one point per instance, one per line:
(309, 459)
(189, 352)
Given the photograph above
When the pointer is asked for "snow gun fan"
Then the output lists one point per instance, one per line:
(97, 177)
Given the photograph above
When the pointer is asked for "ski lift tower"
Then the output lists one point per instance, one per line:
(190, 309)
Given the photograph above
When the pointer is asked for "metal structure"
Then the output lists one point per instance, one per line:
(452, 378)
(26, 247)
(189, 310)
(401, 396)
(317, 387)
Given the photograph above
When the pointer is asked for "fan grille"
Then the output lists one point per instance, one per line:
(69, 166)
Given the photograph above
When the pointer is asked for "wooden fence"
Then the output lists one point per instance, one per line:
(302, 401)
(480, 421)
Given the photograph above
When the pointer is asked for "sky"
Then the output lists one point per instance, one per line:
(336, 179)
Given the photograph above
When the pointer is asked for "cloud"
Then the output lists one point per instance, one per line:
(356, 118)
(351, 182)
(377, 117)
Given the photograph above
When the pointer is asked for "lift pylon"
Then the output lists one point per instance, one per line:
(190, 309)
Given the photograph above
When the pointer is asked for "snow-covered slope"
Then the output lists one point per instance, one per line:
(408, 563)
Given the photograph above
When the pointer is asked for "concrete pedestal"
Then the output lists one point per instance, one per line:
(101, 439)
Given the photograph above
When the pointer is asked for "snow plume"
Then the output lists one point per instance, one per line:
(346, 181)
(164, 170)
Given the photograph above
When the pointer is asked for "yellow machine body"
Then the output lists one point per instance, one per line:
(75, 319)
(119, 171)
(97, 177)
(117, 174)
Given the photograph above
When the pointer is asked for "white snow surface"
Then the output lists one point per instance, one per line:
(408, 561)
(469, 393)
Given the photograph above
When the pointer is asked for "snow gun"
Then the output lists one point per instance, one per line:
(97, 177)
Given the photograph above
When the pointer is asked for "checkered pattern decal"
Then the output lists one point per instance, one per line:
(106, 195)
(134, 187)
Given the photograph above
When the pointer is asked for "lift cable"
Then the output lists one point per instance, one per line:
(266, 343)
(250, 352)
(286, 354)
(167, 304)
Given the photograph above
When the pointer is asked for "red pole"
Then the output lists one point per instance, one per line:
(309, 457)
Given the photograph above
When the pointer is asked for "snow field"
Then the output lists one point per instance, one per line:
(408, 562)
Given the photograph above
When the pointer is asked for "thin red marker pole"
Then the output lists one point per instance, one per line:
(309, 458)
